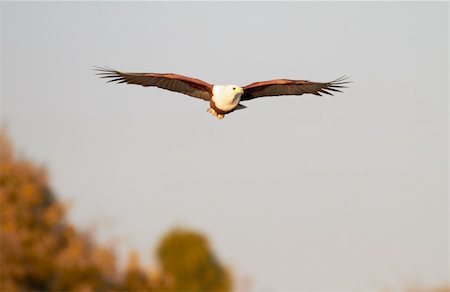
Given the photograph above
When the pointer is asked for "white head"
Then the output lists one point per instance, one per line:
(232, 91)
(227, 97)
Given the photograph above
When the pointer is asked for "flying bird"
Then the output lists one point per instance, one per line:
(223, 99)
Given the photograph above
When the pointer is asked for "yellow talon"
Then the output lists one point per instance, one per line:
(214, 113)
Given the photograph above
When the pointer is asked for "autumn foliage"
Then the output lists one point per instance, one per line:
(41, 250)
(186, 256)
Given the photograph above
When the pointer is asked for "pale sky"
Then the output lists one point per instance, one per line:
(296, 193)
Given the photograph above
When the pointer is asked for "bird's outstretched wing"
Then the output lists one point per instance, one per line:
(291, 87)
(173, 82)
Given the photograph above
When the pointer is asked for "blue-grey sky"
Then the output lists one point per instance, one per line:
(296, 193)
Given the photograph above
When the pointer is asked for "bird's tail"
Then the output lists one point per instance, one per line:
(240, 106)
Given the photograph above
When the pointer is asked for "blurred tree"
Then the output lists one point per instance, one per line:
(135, 278)
(186, 256)
(40, 250)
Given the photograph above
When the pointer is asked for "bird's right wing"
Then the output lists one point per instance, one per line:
(173, 82)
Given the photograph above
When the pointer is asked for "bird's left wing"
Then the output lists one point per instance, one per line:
(291, 87)
(173, 82)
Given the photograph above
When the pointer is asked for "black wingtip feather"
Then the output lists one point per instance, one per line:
(334, 89)
(339, 83)
(341, 80)
(108, 73)
(325, 91)
(105, 72)
(104, 69)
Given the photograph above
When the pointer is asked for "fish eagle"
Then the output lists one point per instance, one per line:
(223, 99)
